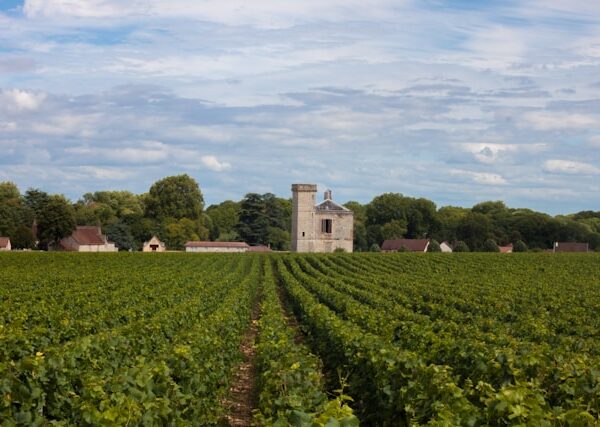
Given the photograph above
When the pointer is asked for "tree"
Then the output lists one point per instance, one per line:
(474, 229)
(35, 200)
(224, 216)
(56, 220)
(520, 246)
(23, 238)
(393, 230)
(8, 191)
(264, 219)
(374, 248)
(434, 246)
(490, 246)
(461, 247)
(120, 234)
(174, 197)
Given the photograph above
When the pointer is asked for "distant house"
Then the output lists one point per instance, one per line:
(259, 248)
(445, 247)
(154, 245)
(5, 244)
(412, 245)
(87, 239)
(506, 249)
(203, 246)
(570, 247)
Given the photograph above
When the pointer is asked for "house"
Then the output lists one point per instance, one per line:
(506, 249)
(322, 227)
(5, 244)
(231, 247)
(87, 239)
(154, 245)
(570, 247)
(259, 248)
(445, 247)
(411, 245)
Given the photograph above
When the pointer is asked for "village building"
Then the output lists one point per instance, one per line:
(5, 244)
(445, 247)
(259, 248)
(203, 246)
(87, 239)
(409, 245)
(506, 249)
(154, 245)
(570, 247)
(322, 227)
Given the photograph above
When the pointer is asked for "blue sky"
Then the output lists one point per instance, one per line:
(456, 101)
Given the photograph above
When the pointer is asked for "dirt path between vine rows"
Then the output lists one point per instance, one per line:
(243, 394)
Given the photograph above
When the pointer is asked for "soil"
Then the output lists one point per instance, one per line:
(243, 394)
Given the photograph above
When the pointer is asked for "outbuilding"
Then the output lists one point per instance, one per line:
(203, 246)
(570, 247)
(5, 244)
(87, 239)
(154, 245)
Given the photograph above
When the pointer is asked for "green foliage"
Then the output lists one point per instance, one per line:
(23, 238)
(225, 217)
(265, 220)
(520, 246)
(291, 384)
(374, 248)
(120, 234)
(490, 246)
(461, 246)
(434, 246)
(8, 191)
(56, 220)
(174, 197)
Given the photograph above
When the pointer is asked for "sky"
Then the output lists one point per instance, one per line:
(455, 101)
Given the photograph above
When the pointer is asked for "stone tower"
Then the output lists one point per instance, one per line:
(322, 227)
(303, 217)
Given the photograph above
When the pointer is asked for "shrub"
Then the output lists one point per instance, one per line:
(434, 246)
(461, 247)
(490, 246)
(520, 246)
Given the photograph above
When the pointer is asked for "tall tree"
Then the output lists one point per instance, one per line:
(56, 220)
(175, 197)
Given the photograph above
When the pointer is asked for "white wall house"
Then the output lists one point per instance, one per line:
(154, 245)
(230, 247)
(445, 247)
(87, 239)
(5, 244)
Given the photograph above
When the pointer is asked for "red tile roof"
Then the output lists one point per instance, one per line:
(4, 242)
(570, 247)
(198, 244)
(259, 248)
(88, 235)
(506, 249)
(414, 245)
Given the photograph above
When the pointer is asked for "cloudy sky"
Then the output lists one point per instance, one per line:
(457, 101)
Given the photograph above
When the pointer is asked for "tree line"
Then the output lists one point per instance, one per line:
(173, 209)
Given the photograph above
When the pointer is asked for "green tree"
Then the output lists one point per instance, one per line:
(394, 229)
(461, 246)
(174, 197)
(520, 246)
(22, 238)
(434, 246)
(225, 217)
(474, 229)
(56, 220)
(120, 233)
(35, 200)
(8, 191)
(490, 246)
(374, 248)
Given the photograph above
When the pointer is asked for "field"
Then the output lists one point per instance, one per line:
(387, 339)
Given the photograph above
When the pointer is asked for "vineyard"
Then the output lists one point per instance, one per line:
(341, 339)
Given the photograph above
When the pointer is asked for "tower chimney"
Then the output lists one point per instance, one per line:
(327, 194)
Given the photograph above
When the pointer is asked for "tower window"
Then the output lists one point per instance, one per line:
(327, 226)
(303, 233)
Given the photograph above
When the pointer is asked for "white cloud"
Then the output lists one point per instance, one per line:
(21, 100)
(263, 13)
(595, 141)
(555, 120)
(492, 153)
(214, 164)
(484, 178)
(570, 167)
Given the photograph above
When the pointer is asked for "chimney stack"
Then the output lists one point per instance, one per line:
(327, 194)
